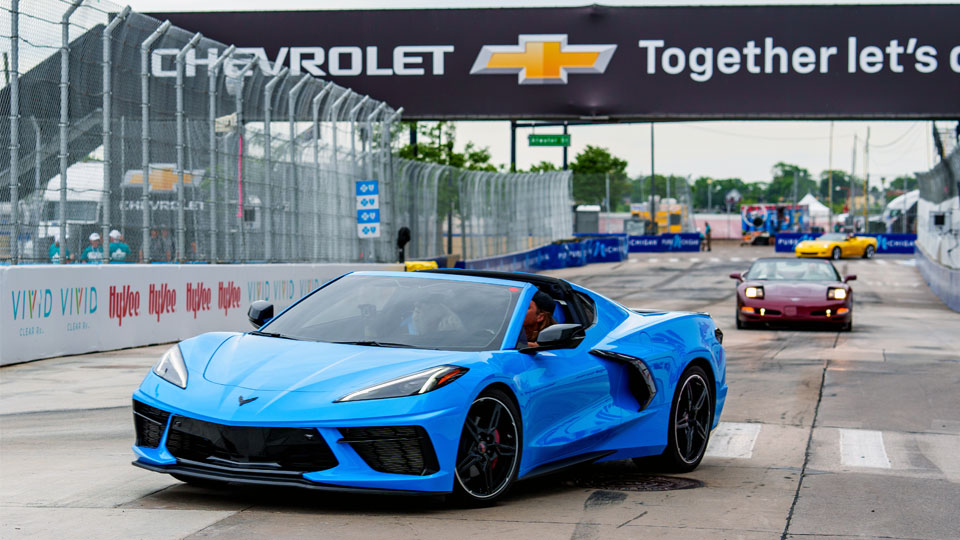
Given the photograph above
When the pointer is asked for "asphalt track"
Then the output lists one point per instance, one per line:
(825, 435)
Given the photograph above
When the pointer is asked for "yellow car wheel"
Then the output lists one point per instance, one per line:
(868, 252)
(836, 254)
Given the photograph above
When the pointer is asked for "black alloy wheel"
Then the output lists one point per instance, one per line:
(835, 255)
(868, 253)
(490, 446)
(691, 418)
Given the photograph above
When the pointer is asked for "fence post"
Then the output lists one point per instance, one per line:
(386, 162)
(212, 111)
(268, 173)
(240, 130)
(145, 134)
(335, 166)
(353, 118)
(315, 105)
(64, 124)
(290, 229)
(15, 132)
(181, 224)
(368, 173)
(37, 254)
(108, 129)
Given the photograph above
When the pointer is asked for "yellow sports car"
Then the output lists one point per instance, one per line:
(837, 246)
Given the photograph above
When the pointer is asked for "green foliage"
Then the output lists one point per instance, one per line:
(781, 189)
(544, 166)
(435, 144)
(591, 168)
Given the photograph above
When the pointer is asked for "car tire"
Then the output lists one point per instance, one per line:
(488, 456)
(868, 252)
(205, 483)
(686, 443)
(736, 316)
(836, 254)
(847, 327)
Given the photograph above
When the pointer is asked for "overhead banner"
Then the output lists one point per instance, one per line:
(598, 62)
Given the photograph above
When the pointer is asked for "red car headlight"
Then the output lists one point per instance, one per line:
(836, 294)
(753, 292)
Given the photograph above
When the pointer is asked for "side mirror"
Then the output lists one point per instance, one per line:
(558, 336)
(851, 277)
(259, 313)
(737, 276)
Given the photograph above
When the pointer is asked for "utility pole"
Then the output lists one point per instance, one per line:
(830, 182)
(565, 148)
(866, 179)
(853, 174)
(653, 203)
(513, 146)
(606, 178)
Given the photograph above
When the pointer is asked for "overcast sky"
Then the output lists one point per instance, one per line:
(721, 149)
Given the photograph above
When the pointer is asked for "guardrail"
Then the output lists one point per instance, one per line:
(53, 310)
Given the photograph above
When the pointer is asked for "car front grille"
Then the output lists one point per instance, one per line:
(149, 423)
(394, 449)
(248, 447)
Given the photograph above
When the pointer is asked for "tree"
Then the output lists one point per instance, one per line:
(435, 144)
(543, 166)
(591, 168)
(780, 188)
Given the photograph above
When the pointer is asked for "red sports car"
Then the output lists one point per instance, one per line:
(781, 290)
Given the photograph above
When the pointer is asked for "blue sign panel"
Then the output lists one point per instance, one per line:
(369, 187)
(368, 216)
(886, 243)
(606, 249)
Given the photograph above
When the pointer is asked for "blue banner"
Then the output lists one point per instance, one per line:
(886, 243)
(606, 249)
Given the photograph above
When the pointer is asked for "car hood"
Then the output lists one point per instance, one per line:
(813, 244)
(793, 289)
(273, 364)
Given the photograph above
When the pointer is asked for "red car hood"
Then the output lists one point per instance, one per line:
(794, 289)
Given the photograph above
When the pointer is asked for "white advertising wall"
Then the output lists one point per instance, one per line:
(53, 310)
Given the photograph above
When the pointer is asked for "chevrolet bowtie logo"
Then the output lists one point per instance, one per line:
(542, 59)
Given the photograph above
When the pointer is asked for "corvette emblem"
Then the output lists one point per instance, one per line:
(542, 59)
(245, 401)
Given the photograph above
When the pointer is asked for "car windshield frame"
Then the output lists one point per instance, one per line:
(403, 311)
(769, 270)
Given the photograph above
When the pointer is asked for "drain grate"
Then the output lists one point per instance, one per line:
(635, 482)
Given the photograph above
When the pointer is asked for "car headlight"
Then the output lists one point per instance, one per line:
(836, 294)
(171, 368)
(420, 382)
(754, 292)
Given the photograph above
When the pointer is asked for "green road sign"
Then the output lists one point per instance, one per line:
(549, 140)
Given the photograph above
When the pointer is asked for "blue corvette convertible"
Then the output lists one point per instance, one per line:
(425, 383)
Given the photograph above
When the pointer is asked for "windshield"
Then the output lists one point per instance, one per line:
(402, 312)
(832, 237)
(792, 270)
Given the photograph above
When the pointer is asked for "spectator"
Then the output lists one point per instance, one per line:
(167, 247)
(706, 234)
(92, 253)
(119, 251)
(539, 316)
(54, 251)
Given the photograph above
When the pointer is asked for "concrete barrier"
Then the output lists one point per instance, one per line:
(51, 310)
(943, 281)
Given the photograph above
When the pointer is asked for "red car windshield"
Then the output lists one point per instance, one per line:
(792, 270)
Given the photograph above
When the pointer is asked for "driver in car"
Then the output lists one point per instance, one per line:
(539, 316)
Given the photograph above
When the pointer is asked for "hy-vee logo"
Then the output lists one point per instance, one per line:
(404, 60)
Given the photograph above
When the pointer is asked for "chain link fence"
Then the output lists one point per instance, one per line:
(197, 152)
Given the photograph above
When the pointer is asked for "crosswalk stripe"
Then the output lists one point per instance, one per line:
(863, 448)
(654, 259)
(881, 262)
(733, 440)
(674, 259)
(714, 259)
(735, 259)
(695, 259)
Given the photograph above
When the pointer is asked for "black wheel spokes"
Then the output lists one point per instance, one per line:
(692, 418)
(489, 453)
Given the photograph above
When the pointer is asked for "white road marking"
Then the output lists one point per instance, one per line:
(881, 263)
(863, 448)
(714, 259)
(733, 440)
(633, 260)
(735, 259)
(908, 262)
(654, 259)
(674, 259)
(695, 259)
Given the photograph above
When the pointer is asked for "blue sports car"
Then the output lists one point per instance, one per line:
(432, 383)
